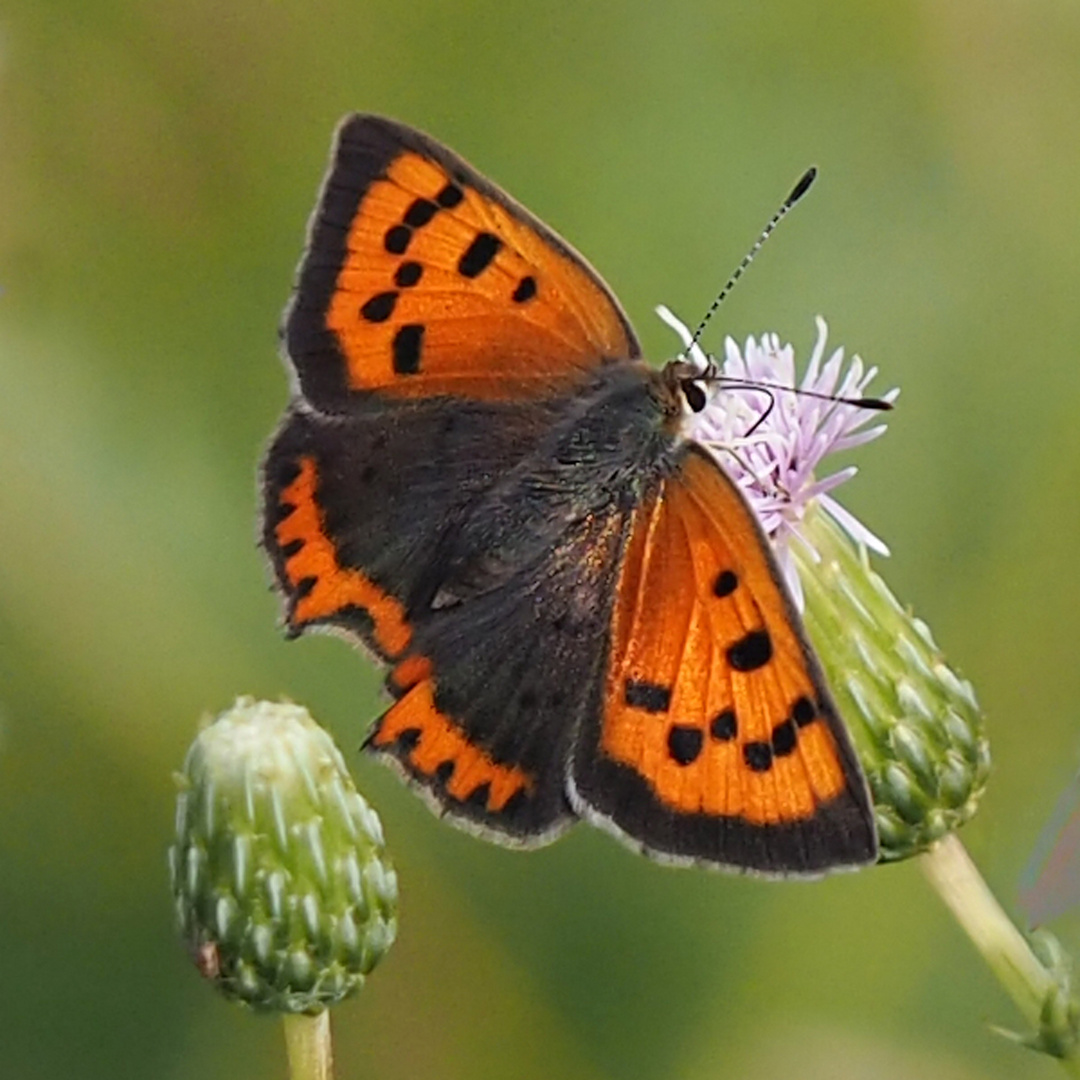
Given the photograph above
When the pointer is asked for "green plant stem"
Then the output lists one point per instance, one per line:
(959, 883)
(309, 1045)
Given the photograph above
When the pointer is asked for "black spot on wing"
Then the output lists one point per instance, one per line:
(397, 238)
(479, 255)
(751, 652)
(407, 346)
(804, 712)
(758, 756)
(685, 743)
(724, 726)
(380, 307)
(420, 213)
(479, 796)
(784, 738)
(526, 290)
(726, 583)
(408, 739)
(648, 696)
(450, 196)
(408, 274)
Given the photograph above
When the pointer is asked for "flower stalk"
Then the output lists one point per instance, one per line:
(309, 1047)
(1041, 987)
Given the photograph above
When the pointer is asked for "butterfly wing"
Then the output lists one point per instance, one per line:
(433, 323)
(411, 532)
(357, 508)
(497, 684)
(717, 739)
(423, 278)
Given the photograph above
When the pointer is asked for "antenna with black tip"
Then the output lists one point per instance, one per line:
(797, 192)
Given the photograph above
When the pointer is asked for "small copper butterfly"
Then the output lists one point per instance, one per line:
(479, 479)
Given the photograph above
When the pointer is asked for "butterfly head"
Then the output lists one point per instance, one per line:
(686, 383)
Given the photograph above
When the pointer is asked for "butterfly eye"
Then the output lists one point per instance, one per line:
(694, 394)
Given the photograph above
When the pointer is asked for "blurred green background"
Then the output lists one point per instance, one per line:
(158, 160)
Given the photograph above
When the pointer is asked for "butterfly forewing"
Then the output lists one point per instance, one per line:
(718, 740)
(422, 278)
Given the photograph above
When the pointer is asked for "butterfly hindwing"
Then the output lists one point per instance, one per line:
(357, 507)
(509, 649)
(717, 740)
(403, 529)
(423, 278)
(497, 686)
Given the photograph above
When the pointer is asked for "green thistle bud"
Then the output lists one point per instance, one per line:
(917, 726)
(283, 891)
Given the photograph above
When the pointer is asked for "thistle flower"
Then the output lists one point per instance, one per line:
(916, 724)
(282, 888)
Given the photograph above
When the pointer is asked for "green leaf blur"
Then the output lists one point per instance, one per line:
(158, 161)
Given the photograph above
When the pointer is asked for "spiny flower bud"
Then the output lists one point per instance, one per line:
(916, 724)
(283, 891)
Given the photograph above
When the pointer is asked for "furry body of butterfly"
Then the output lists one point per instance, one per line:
(582, 616)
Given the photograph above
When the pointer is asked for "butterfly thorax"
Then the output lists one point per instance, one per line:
(608, 447)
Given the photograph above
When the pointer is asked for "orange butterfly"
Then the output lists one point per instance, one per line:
(479, 479)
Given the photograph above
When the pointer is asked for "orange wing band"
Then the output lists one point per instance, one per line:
(320, 586)
(439, 745)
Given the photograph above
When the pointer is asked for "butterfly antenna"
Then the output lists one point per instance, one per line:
(797, 192)
(874, 404)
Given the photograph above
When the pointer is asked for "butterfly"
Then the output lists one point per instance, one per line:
(480, 480)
